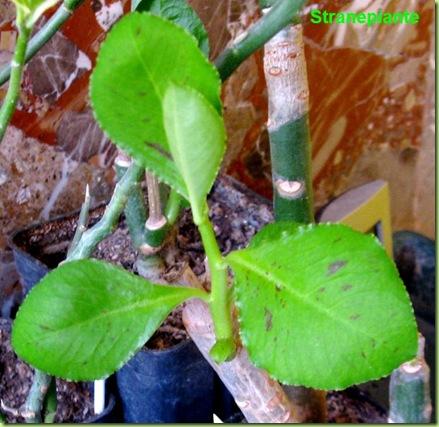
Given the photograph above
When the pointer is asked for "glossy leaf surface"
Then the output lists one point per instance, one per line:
(86, 318)
(196, 138)
(141, 56)
(179, 12)
(322, 306)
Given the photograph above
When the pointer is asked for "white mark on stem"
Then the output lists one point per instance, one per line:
(289, 189)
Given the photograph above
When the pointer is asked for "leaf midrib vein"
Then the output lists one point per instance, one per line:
(273, 279)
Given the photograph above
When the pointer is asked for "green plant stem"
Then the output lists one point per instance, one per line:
(173, 207)
(288, 125)
(50, 404)
(280, 15)
(35, 398)
(220, 304)
(291, 163)
(82, 222)
(45, 34)
(409, 391)
(135, 212)
(108, 222)
(290, 149)
(156, 225)
(17, 65)
(84, 248)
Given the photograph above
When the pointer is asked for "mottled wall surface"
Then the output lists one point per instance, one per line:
(371, 111)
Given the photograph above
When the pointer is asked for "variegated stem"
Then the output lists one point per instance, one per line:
(409, 391)
(290, 146)
(288, 128)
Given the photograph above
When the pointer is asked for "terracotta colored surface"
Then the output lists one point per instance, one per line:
(369, 103)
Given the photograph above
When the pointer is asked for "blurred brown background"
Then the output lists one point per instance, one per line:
(372, 112)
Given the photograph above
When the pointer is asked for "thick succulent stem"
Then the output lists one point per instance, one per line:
(35, 399)
(45, 34)
(50, 404)
(108, 222)
(288, 127)
(82, 221)
(409, 391)
(17, 65)
(290, 146)
(156, 225)
(280, 15)
(135, 211)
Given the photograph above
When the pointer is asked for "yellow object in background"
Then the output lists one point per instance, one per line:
(365, 209)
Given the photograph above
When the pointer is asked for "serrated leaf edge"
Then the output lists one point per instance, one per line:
(140, 342)
(302, 229)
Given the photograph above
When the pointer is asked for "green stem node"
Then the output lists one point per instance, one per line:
(108, 222)
(220, 301)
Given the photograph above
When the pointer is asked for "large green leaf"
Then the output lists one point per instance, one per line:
(196, 137)
(322, 306)
(141, 56)
(181, 13)
(86, 318)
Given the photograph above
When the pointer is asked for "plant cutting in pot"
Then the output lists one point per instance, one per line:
(319, 306)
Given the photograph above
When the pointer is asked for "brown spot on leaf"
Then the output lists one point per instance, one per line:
(45, 328)
(268, 319)
(322, 289)
(346, 287)
(354, 316)
(335, 266)
(374, 343)
(363, 354)
(278, 288)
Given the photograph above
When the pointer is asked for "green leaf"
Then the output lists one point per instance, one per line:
(85, 319)
(179, 12)
(196, 137)
(141, 56)
(322, 306)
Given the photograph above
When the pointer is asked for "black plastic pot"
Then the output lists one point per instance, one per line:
(41, 247)
(31, 270)
(175, 385)
(172, 385)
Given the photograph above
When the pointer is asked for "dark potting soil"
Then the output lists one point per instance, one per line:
(74, 400)
(237, 214)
